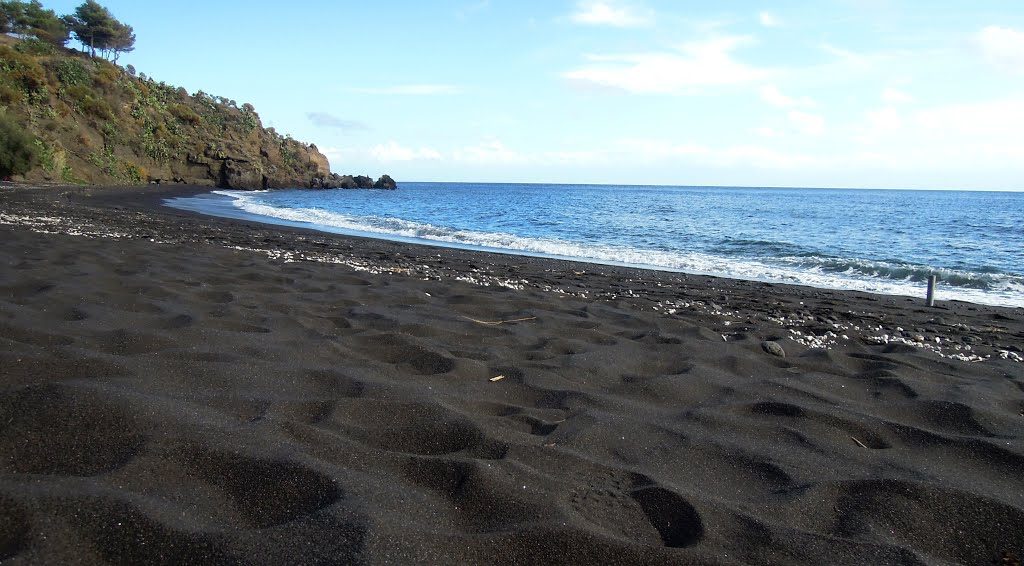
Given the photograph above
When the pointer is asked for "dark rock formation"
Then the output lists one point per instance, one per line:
(335, 181)
(385, 182)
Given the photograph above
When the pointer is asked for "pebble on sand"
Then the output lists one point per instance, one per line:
(773, 348)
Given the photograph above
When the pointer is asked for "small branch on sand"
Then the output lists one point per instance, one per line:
(498, 378)
(498, 322)
(859, 443)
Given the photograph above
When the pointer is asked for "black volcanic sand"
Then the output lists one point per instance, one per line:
(166, 398)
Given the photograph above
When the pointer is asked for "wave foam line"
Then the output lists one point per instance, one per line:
(829, 273)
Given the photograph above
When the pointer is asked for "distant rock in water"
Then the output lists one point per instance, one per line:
(386, 182)
(335, 181)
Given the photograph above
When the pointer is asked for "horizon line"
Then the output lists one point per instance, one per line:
(711, 186)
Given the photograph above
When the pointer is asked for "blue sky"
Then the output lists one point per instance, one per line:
(833, 93)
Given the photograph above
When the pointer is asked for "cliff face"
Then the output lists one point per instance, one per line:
(95, 122)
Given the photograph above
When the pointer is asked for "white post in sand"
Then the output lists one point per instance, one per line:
(930, 301)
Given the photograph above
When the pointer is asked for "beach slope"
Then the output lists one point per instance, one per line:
(182, 388)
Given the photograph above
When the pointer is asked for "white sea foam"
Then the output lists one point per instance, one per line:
(831, 273)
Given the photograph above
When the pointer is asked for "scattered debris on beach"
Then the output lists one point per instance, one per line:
(807, 329)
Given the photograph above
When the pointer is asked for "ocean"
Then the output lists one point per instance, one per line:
(882, 241)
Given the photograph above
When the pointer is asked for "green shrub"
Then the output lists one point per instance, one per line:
(97, 107)
(184, 114)
(18, 152)
(119, 170)
(68, 175)
(105, 161)
(111, 135)
(22, 70)
(157, 141)
(45, 154)
(71, 72)
(133, 174)
(87, 103)
(289, 152)
(9, 95)
(250, 120)
(34, 46)
(106, 75)
(77, 93)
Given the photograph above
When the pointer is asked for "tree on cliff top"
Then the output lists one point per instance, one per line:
(96, 28)
(31, 19)
(9, 14)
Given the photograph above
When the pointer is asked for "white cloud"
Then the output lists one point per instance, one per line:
(948, 137)
(336, 155)
(766, 132)
(692, 66)
(993, 121)
(769, 20)
(328, 120)
(849, 58)
(392, 151)
(610, 13)
(411, 89)
(893, 96)
(468, 10)
(1003, 47)
(491, 152)
(883, 120)
(576, 157)
(809, 124)
(772, 95)
(728, 156)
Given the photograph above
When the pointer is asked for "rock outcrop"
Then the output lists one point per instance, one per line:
(335, 181)
(386, 183)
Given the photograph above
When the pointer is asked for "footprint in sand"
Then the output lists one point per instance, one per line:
(65, 431)
(808, 420)
(14, 529)
(395, 349)
(427, 429)
(263, 493)
(634, 507)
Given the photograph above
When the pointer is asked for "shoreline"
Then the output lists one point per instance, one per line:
(667, 292)
(179, 387)
(776, 270)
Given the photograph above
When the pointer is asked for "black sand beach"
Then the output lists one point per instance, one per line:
(177, 388)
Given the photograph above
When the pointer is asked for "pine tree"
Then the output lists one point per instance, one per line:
(96, 28)
(44, 24)
(31, 19)
(10, 14)
(122, 40)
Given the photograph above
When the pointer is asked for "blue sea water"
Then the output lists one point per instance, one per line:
(883, 241)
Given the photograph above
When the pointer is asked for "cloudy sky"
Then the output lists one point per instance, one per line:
(836, 93)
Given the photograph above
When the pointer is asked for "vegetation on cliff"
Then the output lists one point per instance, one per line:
(17, 149)
(30, 19)
(69, 117)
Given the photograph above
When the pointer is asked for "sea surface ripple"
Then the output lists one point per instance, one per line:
(883, 241)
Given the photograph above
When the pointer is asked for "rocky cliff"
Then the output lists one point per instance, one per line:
(95, 122)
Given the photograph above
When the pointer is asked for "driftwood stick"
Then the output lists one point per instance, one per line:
(498, 322)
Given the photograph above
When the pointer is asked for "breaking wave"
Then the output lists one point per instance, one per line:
(744, 259)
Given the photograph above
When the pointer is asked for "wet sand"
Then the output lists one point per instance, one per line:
(183, 388)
